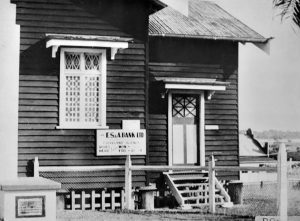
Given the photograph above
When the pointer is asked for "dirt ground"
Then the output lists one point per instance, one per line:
(139, 216)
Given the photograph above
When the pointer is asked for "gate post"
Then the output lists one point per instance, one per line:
(128, 184)
(212, 185)
(282, 182)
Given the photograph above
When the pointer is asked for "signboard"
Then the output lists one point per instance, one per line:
(30, 206)
(121, 142)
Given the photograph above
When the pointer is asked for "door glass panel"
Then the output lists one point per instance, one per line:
(178, 143)
(185, 132)
(184, 106)
(191, 143)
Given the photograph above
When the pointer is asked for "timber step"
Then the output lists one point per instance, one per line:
(189, 178)
(191, 173)
(191, 189)
(193, 177)
(194, 191)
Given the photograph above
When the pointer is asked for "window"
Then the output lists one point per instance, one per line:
(82, 88)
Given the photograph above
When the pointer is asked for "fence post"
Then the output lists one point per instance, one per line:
(212, 185)
(36, 165)
(128, 184)
(282, 182)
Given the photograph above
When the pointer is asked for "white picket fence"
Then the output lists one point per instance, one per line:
(129, 195)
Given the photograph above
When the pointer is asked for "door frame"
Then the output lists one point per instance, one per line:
(201, 124)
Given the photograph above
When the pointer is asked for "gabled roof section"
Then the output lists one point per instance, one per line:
(249, 148)
(159, 3)
(156, 6)
(206, 20)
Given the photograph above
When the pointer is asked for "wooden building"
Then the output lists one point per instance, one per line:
(194, 62)
(86, 65)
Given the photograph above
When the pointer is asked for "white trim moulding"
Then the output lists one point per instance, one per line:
(196, 87)
(115, 46)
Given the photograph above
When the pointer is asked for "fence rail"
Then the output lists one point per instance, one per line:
(39, 169)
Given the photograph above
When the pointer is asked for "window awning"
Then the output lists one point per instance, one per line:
(58, 40)
(204, 84)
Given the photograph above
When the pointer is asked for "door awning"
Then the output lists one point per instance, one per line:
(203, 84)
(114, 43)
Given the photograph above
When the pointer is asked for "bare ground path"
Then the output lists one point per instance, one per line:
(139, 216)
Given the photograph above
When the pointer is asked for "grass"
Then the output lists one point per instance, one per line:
(261, 200)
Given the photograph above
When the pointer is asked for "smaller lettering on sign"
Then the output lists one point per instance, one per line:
(121, 142)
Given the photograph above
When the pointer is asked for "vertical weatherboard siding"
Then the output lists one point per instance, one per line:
(39, 94)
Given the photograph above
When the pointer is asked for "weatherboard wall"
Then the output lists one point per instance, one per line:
(39, 86)
(171, 57)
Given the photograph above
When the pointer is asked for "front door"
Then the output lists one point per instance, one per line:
(185, 129)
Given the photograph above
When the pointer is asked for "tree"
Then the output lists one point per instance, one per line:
(289, 9)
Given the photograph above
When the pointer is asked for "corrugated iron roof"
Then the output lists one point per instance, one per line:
(249, 148)
(206, 20)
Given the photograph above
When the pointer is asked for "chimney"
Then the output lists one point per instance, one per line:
(266, 149)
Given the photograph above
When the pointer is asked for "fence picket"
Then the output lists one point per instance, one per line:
(112, 200)
(73, 197)
(83, 200)
(103, 200)
(93, 200)
(212, 185)
(282, 182)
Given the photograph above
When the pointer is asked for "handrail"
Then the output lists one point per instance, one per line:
(148, 168)
(79, 168)
(236, 168)
(166, 168)
(217, 168)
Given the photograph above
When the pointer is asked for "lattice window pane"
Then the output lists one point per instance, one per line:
(190, 107)
(184, 106)
(92, 61)
(72, 96)
(72, 61)
(81, 88)
(178, 108)
(91, 100)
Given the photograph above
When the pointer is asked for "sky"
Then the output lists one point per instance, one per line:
(269, 85)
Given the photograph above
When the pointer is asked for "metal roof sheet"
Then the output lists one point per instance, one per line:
(248, 147)
(206, 20)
